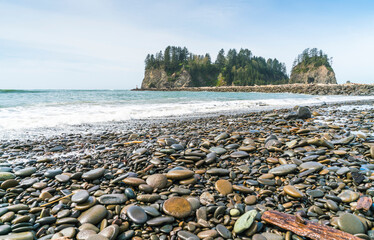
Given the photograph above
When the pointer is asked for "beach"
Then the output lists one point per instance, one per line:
(194, 177)
(353, 89)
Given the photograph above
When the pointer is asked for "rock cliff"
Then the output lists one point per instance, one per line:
(310, 75)
(158, 78)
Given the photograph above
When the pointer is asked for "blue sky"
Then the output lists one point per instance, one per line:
(102, 44)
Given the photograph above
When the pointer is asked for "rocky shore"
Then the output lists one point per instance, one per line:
(313, 89)
(205, 178)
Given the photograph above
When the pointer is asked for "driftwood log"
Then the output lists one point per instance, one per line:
(305, 228)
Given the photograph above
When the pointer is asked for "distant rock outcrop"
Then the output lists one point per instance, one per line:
(158, 78)
(312, 66)
(310, 74)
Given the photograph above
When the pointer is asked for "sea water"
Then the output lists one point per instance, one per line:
(26, 113)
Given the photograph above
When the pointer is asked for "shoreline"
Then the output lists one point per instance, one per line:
(312, 89)
(100, 127)
(225, 165)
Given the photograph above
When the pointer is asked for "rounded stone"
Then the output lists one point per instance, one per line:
(157, 181)
(110, 232)
(93, 174)
(239, 154)
(69, 232)
(242, 189)
(25, 172)
(250, 200)
(91, 201)
(133, 181)
(5, 229)
(177, 207)
(80, 196)
(223, 231)
(130, 193)
(9, 183)
(112, 199)
(6, 175)
(85, 234)
(348, 196)
(145, 188)
(62, 178)
(311, 165)
(218, 171)
(208, 234)
(161, 220)
(39, 185)
(283, 169)
(179, 174)
(52, 172)
(293, 192)
(148, 198)
(97, 237)
(245, 221)
(93, 215)
(45, 195)
(137, 214)
(223, 186)
(20, 236)
(350, 223)
(185, 235)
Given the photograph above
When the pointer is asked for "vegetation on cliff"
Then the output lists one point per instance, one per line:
(234, 68)
(312, 66)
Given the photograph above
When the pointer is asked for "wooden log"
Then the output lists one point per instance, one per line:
(304, 227)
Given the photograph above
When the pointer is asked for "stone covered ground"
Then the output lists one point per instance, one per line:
(206, 178)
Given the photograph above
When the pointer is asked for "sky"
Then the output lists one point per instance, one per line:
(102, 44)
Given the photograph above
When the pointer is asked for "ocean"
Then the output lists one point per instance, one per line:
(35, 113)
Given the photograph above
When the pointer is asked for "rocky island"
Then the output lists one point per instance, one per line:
(176, 69)
(312, 66)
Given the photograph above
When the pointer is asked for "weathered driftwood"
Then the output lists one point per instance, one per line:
(305, 228)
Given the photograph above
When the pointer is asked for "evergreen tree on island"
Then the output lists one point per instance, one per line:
(235, 68)
(312, 66)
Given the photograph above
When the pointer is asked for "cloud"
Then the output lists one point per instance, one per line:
(105, 42)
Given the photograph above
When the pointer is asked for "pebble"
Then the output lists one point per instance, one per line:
(157, 181)
(20, 236)
(93, 215)
(137, 214)
(223, 231)
(93, 174)
(244, 221)
(112, 199)
(283, 169)
(25, 172)
(80, 196)
(293, 192)
(179, 174)
(350, 223)
(6, 175)
(223, 186)
(177, 207)
(218, 171)
(206, 173)
(134, 181)
(9, 183)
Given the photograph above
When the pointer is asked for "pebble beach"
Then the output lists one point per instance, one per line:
(198, 178)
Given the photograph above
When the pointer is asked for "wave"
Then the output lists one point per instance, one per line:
(19, 91)
(18, 120)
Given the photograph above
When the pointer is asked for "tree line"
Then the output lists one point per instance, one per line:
(311, 58)
(238, 68)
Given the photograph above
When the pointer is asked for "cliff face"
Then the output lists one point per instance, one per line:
(157, 78)
(311, 74)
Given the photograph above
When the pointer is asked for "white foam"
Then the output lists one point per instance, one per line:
(41, 116)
